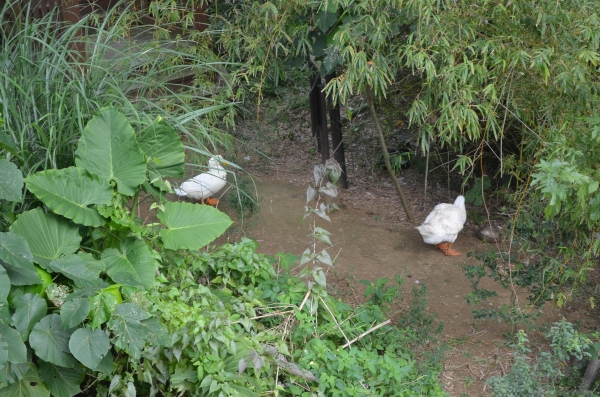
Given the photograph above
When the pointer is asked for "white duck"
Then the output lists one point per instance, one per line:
(207, 184)
(443, 224)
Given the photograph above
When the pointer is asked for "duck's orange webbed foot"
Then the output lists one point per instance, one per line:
(211, 201)
(447, 249)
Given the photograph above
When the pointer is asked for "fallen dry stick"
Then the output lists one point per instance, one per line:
(366, 333)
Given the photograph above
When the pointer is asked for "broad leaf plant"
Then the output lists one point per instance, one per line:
(74, 270)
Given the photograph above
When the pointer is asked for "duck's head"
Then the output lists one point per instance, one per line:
(460, 202)
(217, 162)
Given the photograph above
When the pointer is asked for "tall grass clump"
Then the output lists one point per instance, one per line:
(49, 90)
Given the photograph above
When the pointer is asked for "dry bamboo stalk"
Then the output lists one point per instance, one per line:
(334, 319)
(366, 333)
(266, 315)
(305, 299)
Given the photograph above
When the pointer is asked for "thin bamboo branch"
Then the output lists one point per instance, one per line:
(305, 299)
(266, 315)
(334, 319)
(386, 156)
(386, 322)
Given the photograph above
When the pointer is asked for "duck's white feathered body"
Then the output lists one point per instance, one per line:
(444, 223)
(206, 184)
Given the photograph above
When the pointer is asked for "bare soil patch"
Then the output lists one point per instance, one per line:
(371, 236)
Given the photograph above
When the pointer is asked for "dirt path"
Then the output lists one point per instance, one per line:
(366, 247)
(371, 236)
(371, 241)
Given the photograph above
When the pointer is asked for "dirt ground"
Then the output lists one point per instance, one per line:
(372, 238)
(366, 246)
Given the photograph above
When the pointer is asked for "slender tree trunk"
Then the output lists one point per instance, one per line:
(323, 124)
(313, 96)
(71, 13)
(200, 17)
(386, 156)
(426, 170)
(337, 140)
(591, 372)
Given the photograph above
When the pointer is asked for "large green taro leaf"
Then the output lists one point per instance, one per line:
(191, 226)
(51, 342)
(11, 181)
(29, 309)
(73, 312)
(47, 235)
(161, 143)
(17, 352)
(89, 346)
(4, 286)
(28, 386)
(17, 259)
(70, 191)
(108, 148)
(62, 382)
(75, 268)
(132, 265)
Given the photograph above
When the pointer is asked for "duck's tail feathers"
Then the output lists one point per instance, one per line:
(180, 192)
(426, 230)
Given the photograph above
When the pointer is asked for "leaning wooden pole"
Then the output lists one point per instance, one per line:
(386, 156)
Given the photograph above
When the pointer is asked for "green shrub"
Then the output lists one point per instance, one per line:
(237, 326)
(542, 377)
(92, 321)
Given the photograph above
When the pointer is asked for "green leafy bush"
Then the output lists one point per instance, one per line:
(239, 327)
(542, 377)
(534, 276)
(88, 252)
